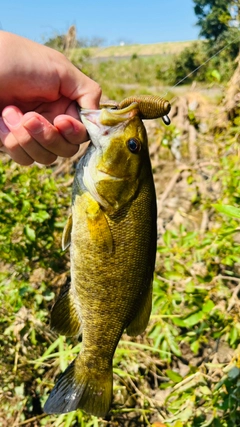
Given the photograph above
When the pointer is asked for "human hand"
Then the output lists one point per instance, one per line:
(40, 90)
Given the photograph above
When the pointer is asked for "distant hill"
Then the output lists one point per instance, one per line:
(139, 49)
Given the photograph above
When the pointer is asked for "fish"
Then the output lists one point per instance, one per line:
(112, 236)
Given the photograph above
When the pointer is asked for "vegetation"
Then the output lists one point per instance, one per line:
(219, 22)
(63, 42)
(216, 17)
(185, 369)
(172, 66)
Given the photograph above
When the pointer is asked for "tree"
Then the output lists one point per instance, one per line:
(216, 17)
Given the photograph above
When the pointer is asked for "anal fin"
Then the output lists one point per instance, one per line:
(140, 321)
(65, 318)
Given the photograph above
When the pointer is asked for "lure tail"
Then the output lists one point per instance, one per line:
(82, 387)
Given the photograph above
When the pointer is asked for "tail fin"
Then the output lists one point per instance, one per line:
(80, 387)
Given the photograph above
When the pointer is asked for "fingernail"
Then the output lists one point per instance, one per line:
(67, 129)
(12, 118)
(3, 128)
(34, 125)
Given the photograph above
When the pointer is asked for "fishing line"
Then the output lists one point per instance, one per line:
(205, 62)
(200, 66)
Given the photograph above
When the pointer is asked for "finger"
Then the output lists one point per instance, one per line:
(72, 110)
(22, 139)
(47, 137)
(72, 130)
(13, 149)
(10, 146)
(4, 131)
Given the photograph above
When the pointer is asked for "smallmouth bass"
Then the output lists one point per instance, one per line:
(112, 232)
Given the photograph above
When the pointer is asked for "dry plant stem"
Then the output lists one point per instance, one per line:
(16, 358)
(234, 297)
(29, 420)
(163, 279)
(60, 169)
(142, 394)
(204, 223)
(168, 190)
(194, 379)
(171, 185)
(202, 164)
(235, 292)
(220, 276)
(16, 422)
(68, 183)
(192, 144)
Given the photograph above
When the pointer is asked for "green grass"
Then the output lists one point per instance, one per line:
(137, 49)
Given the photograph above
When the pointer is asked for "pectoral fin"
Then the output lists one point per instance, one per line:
(140, 321)
(99, 228)
(66, 237)
(65, 316)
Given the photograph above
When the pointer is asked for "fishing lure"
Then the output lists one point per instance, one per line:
(149, 106)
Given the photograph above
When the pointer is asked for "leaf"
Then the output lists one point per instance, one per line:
(62, 359)
(234, 335)
(178, 424)
(167, 238)
(193, 319)
(7, 198)
(234, 373)
(178, 321)
(186, 413)
(174, 376)
(173, 346)
(173, 275)
(216, 75)
(40, 216)
(205, 390)
(228, 210)
(69, 419)
(30, 233)
(208, 306)
(195, 346)
(19, 390)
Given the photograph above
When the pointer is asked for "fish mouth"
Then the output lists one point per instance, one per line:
(101, 124)
(108, 117)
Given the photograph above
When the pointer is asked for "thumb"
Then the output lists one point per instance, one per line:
(76, 86)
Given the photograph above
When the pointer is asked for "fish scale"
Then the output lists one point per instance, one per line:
(112, 236)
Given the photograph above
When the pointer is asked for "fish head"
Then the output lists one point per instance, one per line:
(118, 152)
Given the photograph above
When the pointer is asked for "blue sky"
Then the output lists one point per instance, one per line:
(131, 21)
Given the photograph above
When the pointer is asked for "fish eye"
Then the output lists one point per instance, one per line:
(133, 145)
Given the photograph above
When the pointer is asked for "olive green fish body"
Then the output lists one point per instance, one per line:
(120, 248)
(113, 246)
